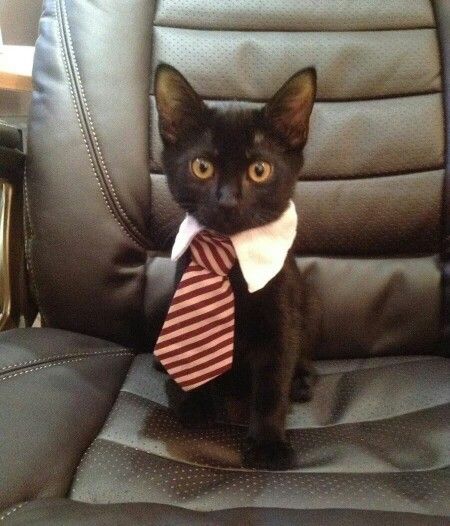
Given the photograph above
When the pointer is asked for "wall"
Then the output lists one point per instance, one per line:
(19, 21)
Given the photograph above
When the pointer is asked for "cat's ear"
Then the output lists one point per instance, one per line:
(180, 109)
(288, 111)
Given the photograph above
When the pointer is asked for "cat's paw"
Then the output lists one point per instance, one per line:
(274, 455)
(196, 411)
(302, 386)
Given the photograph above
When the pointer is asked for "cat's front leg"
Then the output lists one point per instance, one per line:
(196, 408)
(266, 446)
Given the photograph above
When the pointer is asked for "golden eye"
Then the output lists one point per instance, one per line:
(259, 171)
(202, 168)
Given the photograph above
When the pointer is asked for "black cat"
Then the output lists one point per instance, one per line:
(235, 170)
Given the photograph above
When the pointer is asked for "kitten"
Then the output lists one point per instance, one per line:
(256, 156)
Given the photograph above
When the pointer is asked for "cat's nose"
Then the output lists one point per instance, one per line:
(227, 197)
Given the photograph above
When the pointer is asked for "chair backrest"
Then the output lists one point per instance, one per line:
(369, 198)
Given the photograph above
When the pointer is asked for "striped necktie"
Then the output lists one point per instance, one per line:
(197, 339)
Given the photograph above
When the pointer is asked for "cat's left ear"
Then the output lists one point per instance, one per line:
(288, 111)
(180, 109)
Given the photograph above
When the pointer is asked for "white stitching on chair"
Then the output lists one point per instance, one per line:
(58, 357)
(91, 125)
(28, 240)
(12, 510)
(124, 230)
(27, 202)
(62, 362)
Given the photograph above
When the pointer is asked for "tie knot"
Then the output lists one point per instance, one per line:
(213, 252)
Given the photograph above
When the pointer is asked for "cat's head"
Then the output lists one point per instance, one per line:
(234, 169)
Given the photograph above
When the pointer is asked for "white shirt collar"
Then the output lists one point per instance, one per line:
(261, 251)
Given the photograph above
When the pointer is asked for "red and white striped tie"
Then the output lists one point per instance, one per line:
(197, 339)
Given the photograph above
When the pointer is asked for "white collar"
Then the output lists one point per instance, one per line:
(261, 251)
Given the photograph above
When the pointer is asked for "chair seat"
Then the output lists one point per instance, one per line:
(65, 512)
(374, 438)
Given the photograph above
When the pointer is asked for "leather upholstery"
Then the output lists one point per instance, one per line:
(375, 156)
(85, 152)
(373, 443)
(347, 441)
(414, 207)
(372, 306)
(442, 10)
(370, 136)
(296, 15)
(56, 389)
(60, 512)
(350, 64)
(378, 306)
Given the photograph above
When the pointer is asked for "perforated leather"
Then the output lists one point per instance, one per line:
(295, 15)
(346, 439)
(371, 184)
(364, 138)
(251, 64)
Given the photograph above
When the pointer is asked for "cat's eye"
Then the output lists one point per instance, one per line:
(259, 171)
(202, 168)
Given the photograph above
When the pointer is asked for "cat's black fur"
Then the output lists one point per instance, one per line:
(275, 326)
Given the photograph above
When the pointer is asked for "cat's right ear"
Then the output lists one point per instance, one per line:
(180, 109)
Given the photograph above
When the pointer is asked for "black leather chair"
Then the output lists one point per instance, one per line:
(86, 435)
